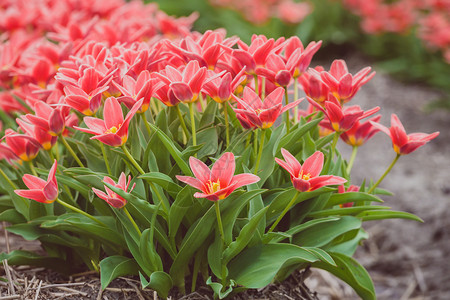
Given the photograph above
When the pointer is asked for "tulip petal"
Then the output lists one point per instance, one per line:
(223, 169)
(112, 113)
(244, 179)
(200, 170)
(292, 162)
(36, 195)
(33, 182)
(313, 164)
(194, 182)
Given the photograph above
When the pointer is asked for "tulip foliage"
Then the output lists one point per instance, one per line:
(181, 157)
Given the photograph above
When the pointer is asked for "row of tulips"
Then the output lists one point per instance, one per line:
(120, 196)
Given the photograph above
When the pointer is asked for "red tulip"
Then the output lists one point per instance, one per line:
(314, 87)
(111, 197)
(404, 143)
(19, 146)
(52, 120)
(342, 118)
(341, 83)
(360, 132)
(113, 130)
(263, 114)
(219, 182)
(306, 178)
(39, 189)
(351, 188)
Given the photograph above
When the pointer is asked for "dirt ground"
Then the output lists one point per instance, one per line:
(406, 259)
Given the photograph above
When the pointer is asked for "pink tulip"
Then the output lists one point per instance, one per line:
(219, 182)
(39, 189)
(113, 129)
(306, 178)
(111, 197)
(263, 114)
(404, 143)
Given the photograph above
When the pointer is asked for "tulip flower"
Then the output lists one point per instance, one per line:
(111, 197)
(21, 146)
(263, 114)
(275, 70)
(360, 132)
(342, 118)
(52, 120)
(39, 189)
(306, 178)
(46, 140)
(221, 88)
(314, 87)
(341, 83)
(219, 182)
(113, 129)
(297, 57)
(404, 143)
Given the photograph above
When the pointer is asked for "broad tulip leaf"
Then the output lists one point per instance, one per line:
(345, 211)
(209, 139)
(115, 266)
(208, 115)
(21, 257)
(341, 198)
(387, 214)
(159, 281)
(256, 267)
(244, 237)
(295, 135)
(12, 216)
(178, 209)
(348, 246)
(323, 233)
(176, 154)
(195, 237)
(162, 180)
(351, 272)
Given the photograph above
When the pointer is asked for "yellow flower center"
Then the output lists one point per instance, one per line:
(306, 176)
(213, 186)
(113, 129)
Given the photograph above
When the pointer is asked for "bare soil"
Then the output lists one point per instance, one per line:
(406, 259)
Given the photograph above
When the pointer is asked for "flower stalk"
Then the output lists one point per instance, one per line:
(80, 212)
(125, 210)
(74, 155)
(261, 146)
(194, 135)
(286, 209)
(183, 124)
(352, 159)
(384, 175)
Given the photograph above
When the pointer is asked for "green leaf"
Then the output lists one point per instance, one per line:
(115, 266)
(347, 245)
(321, 254)
(323, 233)
(159, 281)
(256, 267)
(299, 228)
(164, 181)
(148, 251)
(351, 272)
(176, 154)
(345, 211)
(218, 288)
(341, 198)
(12, 216)
(209, 139)
(245, 235)
(195, 237)
(387, 214)
(296, 135)
(178, 209)
(208, 115)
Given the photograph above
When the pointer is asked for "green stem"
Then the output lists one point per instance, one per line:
(183, 124)
(56, 150)
(33, 170)
(227, 126)
(333, 145)
(159, 197)
(255, 141)
(286, 209)
(132, 221)
(384, 175)
(105, 158)
(71, 151)
(132, 160)
(144, 118)
(261, 146)
(80, 211)
(288, 121)
(12, 184)
(194, 134)
(256, 84)
(219, 221)
(295, 99)
(263, 88)
(352, 159)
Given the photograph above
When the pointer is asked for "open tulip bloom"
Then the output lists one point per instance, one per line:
(404, 143)
(113, 129)
(111, 197)
(307, 177)
(219, 182)
(39, 189)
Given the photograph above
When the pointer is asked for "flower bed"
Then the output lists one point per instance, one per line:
(179, 156)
